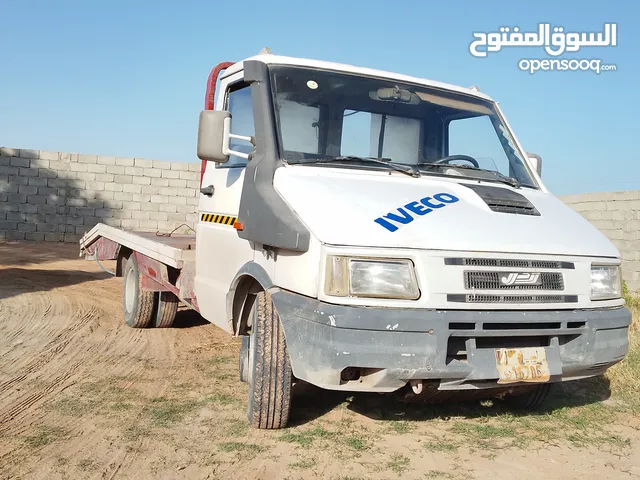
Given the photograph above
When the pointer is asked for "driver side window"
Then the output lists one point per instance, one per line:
(241, 108)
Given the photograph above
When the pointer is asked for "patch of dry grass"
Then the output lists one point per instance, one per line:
(439, 446)
(164, 412)
(44, 435)
(399, 464)
(632, 299)
(625, 376)
(305, 437)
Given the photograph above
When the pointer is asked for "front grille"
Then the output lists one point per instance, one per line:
(512, 299)
(522, 326)
(493, 281)
(507, 263)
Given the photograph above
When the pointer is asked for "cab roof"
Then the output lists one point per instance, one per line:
(341, 67)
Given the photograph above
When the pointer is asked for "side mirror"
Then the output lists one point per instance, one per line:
(214, 135)
(536, 162)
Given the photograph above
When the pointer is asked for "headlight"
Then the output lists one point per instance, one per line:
(606, 282)
(379, 278)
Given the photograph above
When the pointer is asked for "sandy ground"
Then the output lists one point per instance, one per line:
(84, 396)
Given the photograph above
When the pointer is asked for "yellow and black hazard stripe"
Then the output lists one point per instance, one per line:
(223, 219)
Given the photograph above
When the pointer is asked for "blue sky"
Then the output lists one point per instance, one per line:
(127, 78)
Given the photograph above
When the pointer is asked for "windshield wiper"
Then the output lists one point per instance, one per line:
(499, 176)
(398, 167)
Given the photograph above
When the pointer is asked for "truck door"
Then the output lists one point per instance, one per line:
(220, 253)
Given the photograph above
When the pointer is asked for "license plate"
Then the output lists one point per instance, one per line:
(522, 365)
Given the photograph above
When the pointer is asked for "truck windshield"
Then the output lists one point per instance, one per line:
(322, 115)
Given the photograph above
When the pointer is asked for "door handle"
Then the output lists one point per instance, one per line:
(208, 191)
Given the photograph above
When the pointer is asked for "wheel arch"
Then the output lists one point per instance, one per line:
(250, 280)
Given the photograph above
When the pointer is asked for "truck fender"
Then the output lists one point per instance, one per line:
(250, 279)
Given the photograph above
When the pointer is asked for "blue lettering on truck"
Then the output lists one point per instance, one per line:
(407, 213)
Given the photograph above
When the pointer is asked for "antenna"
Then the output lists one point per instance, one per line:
(265, 51)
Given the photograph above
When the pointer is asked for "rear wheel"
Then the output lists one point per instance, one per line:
(167, 306)
(530, 399)
(269, 369)
(137, 303)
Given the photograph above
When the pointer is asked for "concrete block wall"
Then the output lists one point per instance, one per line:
(617, 215)
(57, 196)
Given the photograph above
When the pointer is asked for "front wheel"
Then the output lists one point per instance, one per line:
(269, 374)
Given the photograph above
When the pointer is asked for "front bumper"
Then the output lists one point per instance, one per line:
(388, 347)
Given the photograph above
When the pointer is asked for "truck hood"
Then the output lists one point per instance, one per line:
(381, 209)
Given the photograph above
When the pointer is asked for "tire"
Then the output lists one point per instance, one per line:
(137, 303)
(270, 376)
(165, 313)
(532, 399)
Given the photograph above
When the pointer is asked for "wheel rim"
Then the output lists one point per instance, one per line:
(130, 291)
(251, 353)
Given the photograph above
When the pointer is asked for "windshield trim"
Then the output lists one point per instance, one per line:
(525, 156)
(380, 167)
(493, 105)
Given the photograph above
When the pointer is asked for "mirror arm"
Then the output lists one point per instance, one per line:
(227, 135)
(251, 140)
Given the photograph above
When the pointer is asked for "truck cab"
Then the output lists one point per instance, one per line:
(391, 232)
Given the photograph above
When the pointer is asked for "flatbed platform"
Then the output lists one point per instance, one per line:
(175, 250)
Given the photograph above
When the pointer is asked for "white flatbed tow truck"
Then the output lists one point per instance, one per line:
(368, 231)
